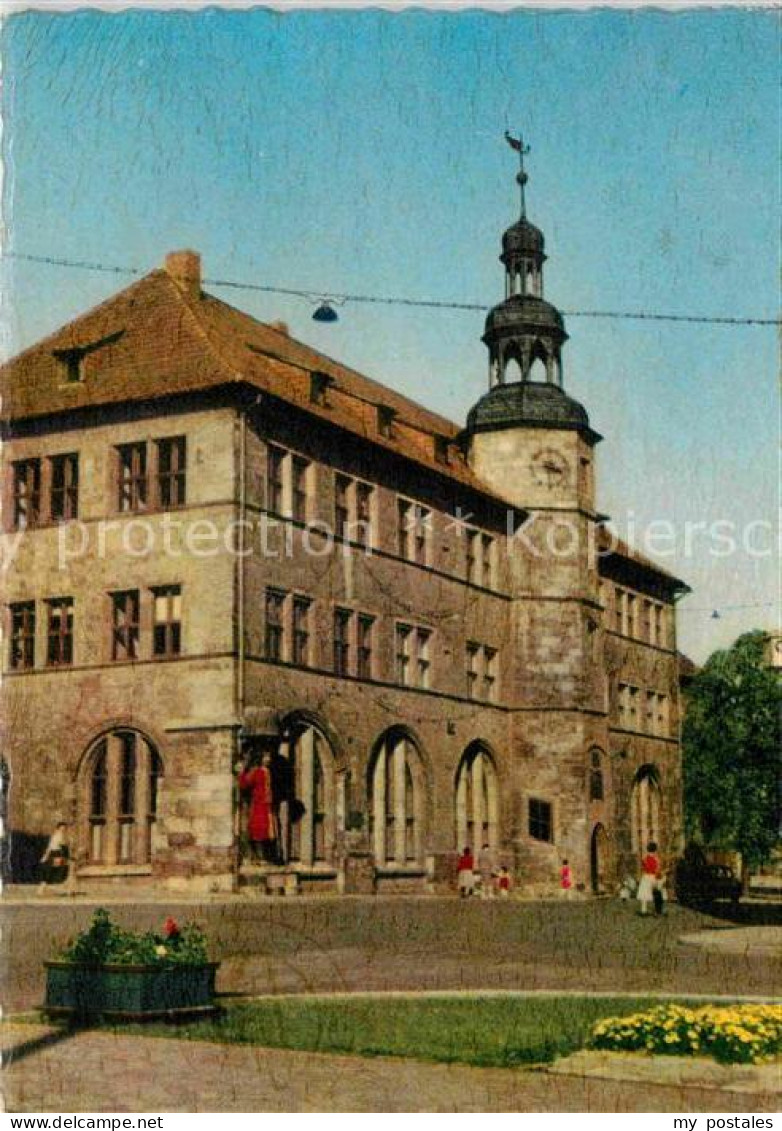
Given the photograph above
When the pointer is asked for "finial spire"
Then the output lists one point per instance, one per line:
(517, 143)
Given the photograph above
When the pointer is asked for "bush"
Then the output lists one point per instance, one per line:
(106, 944)
(735, 1034)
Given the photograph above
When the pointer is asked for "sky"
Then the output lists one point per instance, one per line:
(362, 152)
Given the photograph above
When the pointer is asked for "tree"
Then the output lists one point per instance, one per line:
(731, 752)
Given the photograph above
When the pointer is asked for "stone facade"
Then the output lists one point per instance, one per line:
(429, 624)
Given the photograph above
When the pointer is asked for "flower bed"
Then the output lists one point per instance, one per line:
(735, 1034)
(112, 972)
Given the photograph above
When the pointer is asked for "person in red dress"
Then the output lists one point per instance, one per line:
(256, 779)
(465, 869)
(649, 890)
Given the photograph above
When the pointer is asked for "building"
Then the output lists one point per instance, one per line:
(215, 532)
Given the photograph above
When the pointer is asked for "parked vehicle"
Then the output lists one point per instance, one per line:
(698, 882)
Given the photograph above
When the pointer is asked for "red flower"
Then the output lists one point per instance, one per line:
(171, 927)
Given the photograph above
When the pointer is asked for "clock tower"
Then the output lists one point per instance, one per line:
(526, 437)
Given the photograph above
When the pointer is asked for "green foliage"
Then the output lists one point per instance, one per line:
(104, 943)
(731, 744)
(734, 1034)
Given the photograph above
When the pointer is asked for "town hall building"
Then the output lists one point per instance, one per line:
(220, 540)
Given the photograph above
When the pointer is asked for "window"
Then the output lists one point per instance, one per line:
(27, 493)
(659, 626)
(72, 362)
(125, 625)
(473, 659)
(595, 776)
(423, 637)
(540, 822)
(300, 472)
(275, 605)
(633, 695)
(167, 624)
(477, 801)
(648, 622)
(320, 383)
(645, 809)
(366, 628)
(619, 610)
(441, 449)
(490, 674)
(310, 839)
(275, 484)
(341, 505)
(481, 667)
(663, 724)
(632, 615)
(22, 635)
(480, 558)
(651, 712)
(413, 662)
(59, 631)
(171, 471)
(364, 495)
(403, 645)
(65, 488)
(396, 802)
(301, 631)
(125, 766)
(133, 485)
(414, 531)
(342, 622)
(385, 421)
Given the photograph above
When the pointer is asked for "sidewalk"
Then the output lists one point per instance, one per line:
(56, 1071)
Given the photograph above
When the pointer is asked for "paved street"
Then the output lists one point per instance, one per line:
(92, 1071)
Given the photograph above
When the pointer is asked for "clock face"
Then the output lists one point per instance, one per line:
(549, 468)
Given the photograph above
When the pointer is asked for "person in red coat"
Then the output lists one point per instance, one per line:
(256, 779)
(465, 870)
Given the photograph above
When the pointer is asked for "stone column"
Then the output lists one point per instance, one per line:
(113, 773)
(306, 761)
(141, 852)
(400, 809)
(478, 813)
(379, 805)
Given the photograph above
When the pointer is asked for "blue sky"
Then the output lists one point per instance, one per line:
(362, 151)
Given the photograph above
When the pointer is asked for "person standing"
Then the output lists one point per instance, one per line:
(256, 779)
(565, 880)
(503, 883)
(486, 871)
(54, 862)
(649, 886)
(466, 873)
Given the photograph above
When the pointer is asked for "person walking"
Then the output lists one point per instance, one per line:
(565, 880)
(466, 873)
(486, 868)
(649, 885)
(54, 862)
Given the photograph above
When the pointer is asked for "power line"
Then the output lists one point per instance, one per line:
(395, 300)
(726, 608)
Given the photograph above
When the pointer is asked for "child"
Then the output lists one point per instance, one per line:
(503, 883)
(649, 887)
(565, 879)
(466, 874)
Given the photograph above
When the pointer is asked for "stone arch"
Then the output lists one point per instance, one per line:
(646, 809)
(118, 788)
(477, 808)
(397, 799)
(308, 817)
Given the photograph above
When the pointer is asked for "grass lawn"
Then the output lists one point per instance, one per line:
(487, 1031)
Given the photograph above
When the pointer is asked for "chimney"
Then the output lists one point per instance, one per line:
(184, 267)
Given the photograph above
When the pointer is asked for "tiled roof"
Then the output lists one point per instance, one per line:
(154, 339)
(609, 545)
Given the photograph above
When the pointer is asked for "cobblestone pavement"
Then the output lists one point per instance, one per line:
(53, 1071)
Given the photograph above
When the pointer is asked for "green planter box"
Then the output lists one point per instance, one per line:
(140, 992)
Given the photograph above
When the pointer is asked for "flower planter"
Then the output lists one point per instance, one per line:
(129, 992)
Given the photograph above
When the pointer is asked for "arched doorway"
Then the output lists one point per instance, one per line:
(645, 810)
(397, 801)
(599, 859)
(477, 800)
(119, 798)
(307, 820)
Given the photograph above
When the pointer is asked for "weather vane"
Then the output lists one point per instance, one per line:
(517, 143)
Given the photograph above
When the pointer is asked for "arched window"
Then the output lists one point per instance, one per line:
(477, 802)
(512, 372)
(538, 370)
(310, 838)
(596, 792)
(123, 772)
(645, 809)
(396, 801)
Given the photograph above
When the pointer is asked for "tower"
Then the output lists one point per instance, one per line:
(526, 437)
